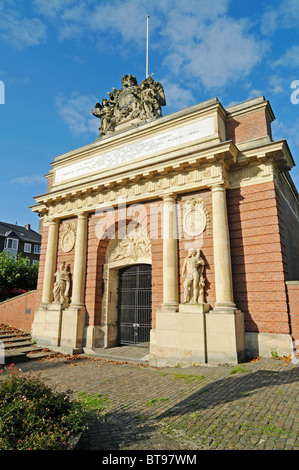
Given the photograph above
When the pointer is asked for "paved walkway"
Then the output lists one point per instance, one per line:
(183, 409)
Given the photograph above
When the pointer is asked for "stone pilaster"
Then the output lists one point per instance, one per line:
(80, 261)
(50, 263)
(170, 254)
(222, 255)
(224, 324)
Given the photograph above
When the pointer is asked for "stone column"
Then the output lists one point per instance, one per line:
(170, 254)
(50, 262)
(225, 337)
(222, 255)
(80, 261)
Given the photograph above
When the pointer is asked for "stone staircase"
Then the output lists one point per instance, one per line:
(17, 346)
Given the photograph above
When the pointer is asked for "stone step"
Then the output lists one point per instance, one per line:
(17, 346)
(16, 340)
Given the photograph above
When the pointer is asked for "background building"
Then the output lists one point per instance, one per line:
(16, 240)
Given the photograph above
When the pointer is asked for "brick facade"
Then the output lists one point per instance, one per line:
(293, 298)
(258, 258)
(19, 312)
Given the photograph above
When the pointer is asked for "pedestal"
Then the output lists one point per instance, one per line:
(60, 328)
(225, 336)
(179, 337)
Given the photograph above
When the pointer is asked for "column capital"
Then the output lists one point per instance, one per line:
(169, 197)
(82, 214)
(53, 220)
(221, 186)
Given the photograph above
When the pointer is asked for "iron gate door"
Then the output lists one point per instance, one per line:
(134, 304)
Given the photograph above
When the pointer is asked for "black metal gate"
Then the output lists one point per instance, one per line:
(134, 304)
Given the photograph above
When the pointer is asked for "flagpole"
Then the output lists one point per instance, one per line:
(147, 18)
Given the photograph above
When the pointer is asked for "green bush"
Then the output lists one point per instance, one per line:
(35, 417)
(17, 272)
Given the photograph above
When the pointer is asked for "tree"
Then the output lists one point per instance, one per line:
(17, 272)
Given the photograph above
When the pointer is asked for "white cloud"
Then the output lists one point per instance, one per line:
(20, 31)
(210, 55)
(75, 113)
(177, 97)
(290, 58)
(197, 39)
(30, 179)
(280, 15)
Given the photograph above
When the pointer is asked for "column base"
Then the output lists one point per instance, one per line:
(224, 306)
(170, 307)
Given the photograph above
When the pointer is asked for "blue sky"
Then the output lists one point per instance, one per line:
(59, 57)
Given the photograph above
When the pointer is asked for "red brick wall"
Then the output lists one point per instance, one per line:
(293, 296)
(258, 258)
(248, 126)
(13, 312)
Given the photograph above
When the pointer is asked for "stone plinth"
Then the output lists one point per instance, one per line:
(225, 336)
(59, 327)
(179, 337)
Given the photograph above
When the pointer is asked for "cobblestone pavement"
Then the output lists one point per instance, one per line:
(194, 408)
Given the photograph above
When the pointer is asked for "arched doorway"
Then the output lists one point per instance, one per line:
(134, 305)
(130, 248)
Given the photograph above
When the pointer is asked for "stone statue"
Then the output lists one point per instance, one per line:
(142, 102)
(61, 285)
(194, 280)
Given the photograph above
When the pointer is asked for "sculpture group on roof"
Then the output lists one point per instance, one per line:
(142, 102)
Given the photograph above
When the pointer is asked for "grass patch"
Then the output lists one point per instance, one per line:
(154, 401)
(189, 377)
(239, 369)
(93, 401)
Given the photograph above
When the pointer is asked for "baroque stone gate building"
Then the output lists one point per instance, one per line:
(180, 232)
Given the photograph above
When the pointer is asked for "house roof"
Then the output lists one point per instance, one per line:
(25, 234)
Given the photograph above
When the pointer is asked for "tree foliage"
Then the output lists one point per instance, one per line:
(17, 272)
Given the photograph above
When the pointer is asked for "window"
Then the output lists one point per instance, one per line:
(36, 249)
(34, 261)
(27, 247)
(11, 243)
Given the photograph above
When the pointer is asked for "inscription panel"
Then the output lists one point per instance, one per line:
(166, 140)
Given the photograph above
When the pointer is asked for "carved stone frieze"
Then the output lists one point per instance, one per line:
(130, 244)
(143, 187)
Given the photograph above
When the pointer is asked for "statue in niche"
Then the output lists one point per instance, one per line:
(61, 285)
(133, 101)
(194, 280)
